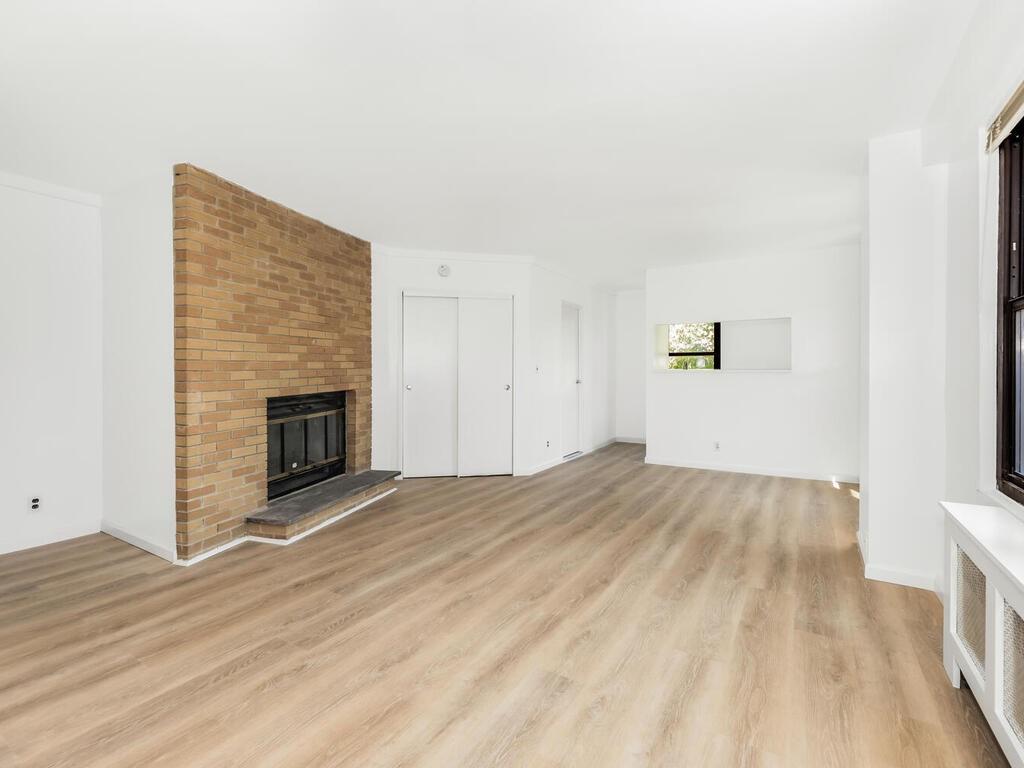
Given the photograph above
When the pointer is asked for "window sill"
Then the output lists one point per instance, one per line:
(1001, 499)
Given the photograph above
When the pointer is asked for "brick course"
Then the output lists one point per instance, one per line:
(268, 302)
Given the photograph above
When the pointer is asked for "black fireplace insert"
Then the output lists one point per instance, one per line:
(305, 440)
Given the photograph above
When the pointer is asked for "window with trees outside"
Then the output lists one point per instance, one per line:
(1010, 374)
(695, 346)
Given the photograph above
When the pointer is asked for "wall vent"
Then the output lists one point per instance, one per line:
(970, 609)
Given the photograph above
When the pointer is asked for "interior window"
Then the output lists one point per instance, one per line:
(695, 346)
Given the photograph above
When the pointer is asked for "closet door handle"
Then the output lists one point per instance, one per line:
(508, 387)
(408, 386)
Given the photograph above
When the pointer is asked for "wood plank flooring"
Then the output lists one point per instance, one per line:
(604, 613)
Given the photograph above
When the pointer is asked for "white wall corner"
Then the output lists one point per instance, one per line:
(148, 546)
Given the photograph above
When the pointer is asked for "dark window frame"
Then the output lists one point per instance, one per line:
(716, 353)
(1010, 301)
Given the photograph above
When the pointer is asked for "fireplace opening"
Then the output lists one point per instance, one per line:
(305, 441)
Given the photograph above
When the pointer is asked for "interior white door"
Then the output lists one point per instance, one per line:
(571, 380)
(485, 386)
(430, 355)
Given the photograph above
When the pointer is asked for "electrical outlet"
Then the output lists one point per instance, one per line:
(549, 443)
(35, 503)
(718, 446)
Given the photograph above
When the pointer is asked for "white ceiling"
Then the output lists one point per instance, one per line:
(602, 135)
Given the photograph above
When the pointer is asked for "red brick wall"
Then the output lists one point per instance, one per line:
(268, 302)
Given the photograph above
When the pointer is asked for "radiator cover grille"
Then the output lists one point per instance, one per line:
(1013, 670)
(970, 608)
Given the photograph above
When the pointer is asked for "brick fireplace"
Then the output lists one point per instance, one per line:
(268, 303)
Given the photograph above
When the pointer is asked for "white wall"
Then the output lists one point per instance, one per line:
(52, 351)
(800, 423)
(538, 294)
(548, 290)
(906, 362)
(987, 69)
(138, 364)
(933, 202)
(630, 363)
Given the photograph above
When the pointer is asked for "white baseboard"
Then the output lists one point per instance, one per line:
(746, 469)
(281, 542)
(917, 579)
(136, 541)
(638, 440)
(211, 552)
(541, 467)
(546, 465)
(862, 546)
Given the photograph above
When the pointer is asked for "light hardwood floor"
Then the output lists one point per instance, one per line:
(604, 613)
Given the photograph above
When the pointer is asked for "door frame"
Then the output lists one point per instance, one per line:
(582, 379)
(434, 294)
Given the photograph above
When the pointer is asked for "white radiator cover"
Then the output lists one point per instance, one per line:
(983, 628)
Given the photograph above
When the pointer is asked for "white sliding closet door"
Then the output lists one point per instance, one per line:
(430, 349)
(485, 386)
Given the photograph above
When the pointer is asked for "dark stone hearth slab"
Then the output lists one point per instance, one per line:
(295, 506)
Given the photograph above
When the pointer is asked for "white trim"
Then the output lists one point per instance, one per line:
(26, 184)
(552, 463)
(445, 294)
(557, 270)
(280, 542)
(136, 541)
(916, 579)
(408, 253)
(1004, 501)
(543, 466)
(211, 552)
(484, 258)
(745, 469)
(636, 440)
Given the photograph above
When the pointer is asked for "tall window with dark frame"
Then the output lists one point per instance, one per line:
(1010, 375)
(695, 346)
